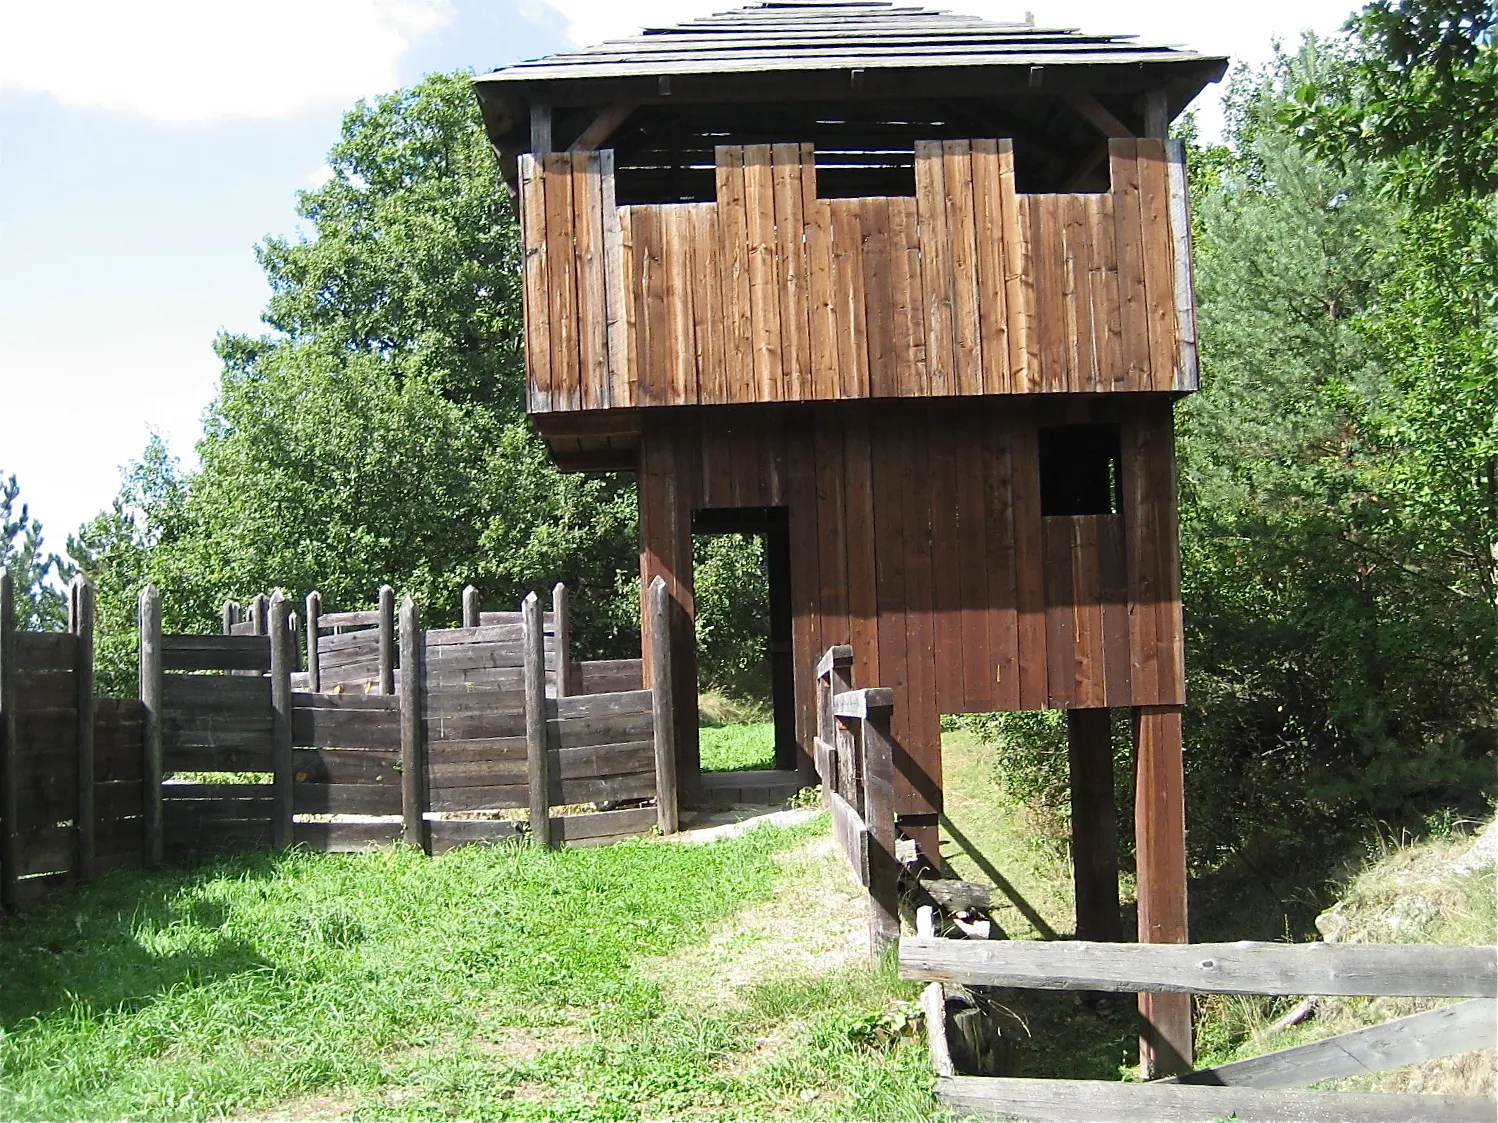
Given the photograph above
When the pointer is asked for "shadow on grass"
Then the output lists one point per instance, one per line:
(88, 947)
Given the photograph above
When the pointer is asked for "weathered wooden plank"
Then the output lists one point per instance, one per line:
(679, 378)
(988, 219)
(413, 740)
(968, 357)
(152, 700)
(1426, 1036)
(361, 618)
(936, 268)
(561, 280)
(46, 651)
(348, 799)
(579, 733)
(616, 375)
(1060, 613)
(496, 798)
(821, 312)
(448, 833)
(1065, 1101)
(358, 703)
(884, 372)
(573, 829)
(348, 838)
(662, 703)
(215, 653)
(582, 707)
(1086, 597)
(790, 219)
(1159, 270)
(587, 220)
(593, 761)
(345, 766)
(537, 287)
(47, 849)
(707, 304)
(1078, 251)
(1019, 279)
(907, 300)
(466, 727)
(1128, 234)
(224, 696)
(222, 758)
(946, 559)
(764, 273)
(970, 584)
(535, 724)
(1186, 377)
(46, 690)
(607, 676)
(733, 233)
(346, 728)
(1113, 591)
(1246, 967)
(501, 769)
(999, 555)
(451, 681)
(849, 299)
(597, 789)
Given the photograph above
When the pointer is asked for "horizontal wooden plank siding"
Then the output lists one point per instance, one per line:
(769, 293)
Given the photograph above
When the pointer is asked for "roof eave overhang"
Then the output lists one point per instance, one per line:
(507, 95)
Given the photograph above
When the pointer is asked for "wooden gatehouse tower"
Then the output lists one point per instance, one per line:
(909, 293)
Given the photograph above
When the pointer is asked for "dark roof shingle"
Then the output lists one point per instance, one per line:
(820, 34)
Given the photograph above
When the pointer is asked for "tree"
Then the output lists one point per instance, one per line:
(376, 433)
(39, 604)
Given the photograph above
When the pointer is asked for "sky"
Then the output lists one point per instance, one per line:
(146, 146)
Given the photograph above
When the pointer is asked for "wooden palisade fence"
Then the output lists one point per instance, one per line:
(855, 764)
(475, 742)
(1263, 1089)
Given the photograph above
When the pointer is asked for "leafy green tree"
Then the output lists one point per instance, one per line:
(39, 605)
(1419, 96)
(376, 434)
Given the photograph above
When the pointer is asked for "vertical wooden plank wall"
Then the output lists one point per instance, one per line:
(772, 294)
(917, 537)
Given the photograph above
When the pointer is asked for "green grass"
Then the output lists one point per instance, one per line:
(733, 748)
(492, 982)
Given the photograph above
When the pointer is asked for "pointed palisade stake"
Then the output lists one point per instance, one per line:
(282, 779)
(413, 726)
(536, 745)
(152, 685)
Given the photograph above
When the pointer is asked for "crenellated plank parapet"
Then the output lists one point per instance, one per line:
(772, 294)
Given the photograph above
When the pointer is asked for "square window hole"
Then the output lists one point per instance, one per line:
(1079, 470)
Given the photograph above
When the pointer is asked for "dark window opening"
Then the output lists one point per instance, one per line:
(665, 153)
(742, 565)
(1080, 470)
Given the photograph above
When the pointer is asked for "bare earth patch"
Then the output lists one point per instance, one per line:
(814, 925)
(516, 1043)
(306, 1108)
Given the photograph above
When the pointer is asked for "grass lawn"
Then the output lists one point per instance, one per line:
(732, 748)
(642, 980)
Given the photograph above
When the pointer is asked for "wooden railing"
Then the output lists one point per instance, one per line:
(770, 293)
(1250, 1089)
(855, 763)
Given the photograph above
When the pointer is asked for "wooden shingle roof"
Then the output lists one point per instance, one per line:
(800, 35)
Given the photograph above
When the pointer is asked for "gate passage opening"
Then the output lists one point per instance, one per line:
(772, 628)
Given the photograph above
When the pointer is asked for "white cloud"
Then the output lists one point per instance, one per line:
(193, 61)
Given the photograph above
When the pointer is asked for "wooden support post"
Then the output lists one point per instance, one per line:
(260, 613)
(845, 762)
(10, 848)
(537, 758)
(231, 616)
(540, 130)
(879, 816)
(387, 640)
(662, 709)
(280, 720)
(1156, 114)
(413, 727)
(934, 1004)
(81, 624)
(1160, 858)
(152, 686)
(471, 605)
(562, 625)
(1094, 830)
(314, 627)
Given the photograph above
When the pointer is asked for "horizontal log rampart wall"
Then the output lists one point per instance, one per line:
(209, 761)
